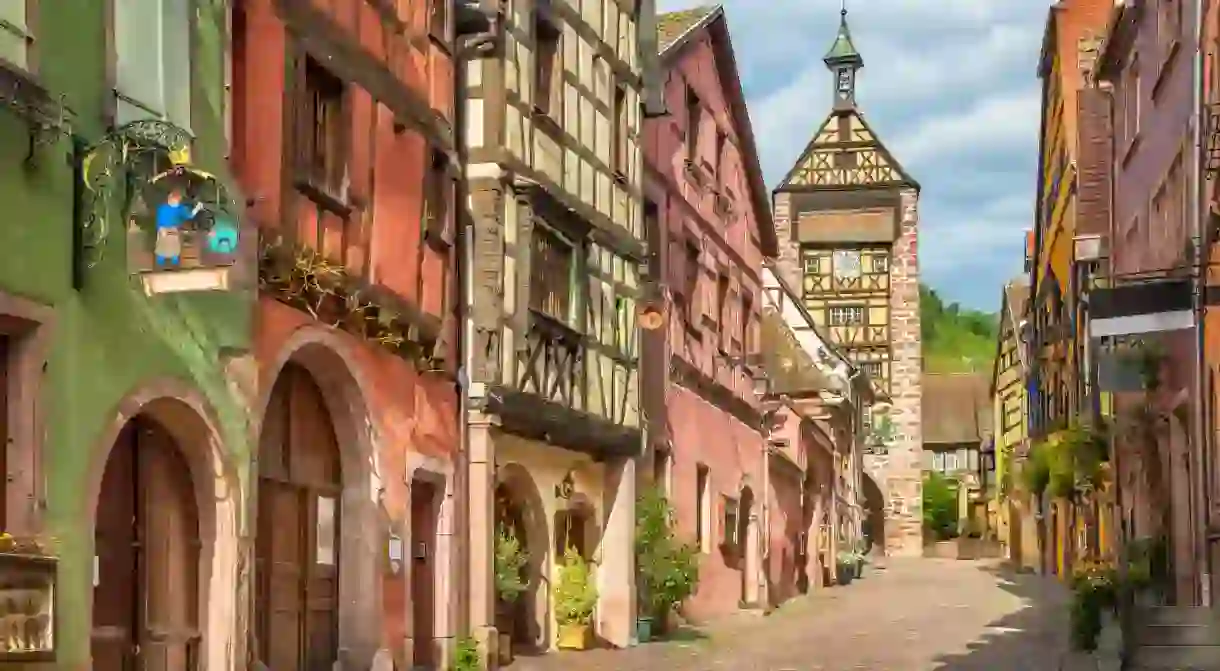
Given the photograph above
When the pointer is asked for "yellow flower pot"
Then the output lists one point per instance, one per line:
(573, 636)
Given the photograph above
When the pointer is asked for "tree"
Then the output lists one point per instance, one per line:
(940, 513)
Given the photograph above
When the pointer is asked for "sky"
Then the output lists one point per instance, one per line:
(951, 88)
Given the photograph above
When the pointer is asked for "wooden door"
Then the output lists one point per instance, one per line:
(423, 570)
(145, 601)
(297, 551)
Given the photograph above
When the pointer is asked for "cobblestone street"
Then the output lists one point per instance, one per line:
(904, 615)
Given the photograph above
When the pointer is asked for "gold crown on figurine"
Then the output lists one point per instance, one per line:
(180, 155)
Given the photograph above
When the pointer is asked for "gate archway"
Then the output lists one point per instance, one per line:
(874, 515)
(519, 507)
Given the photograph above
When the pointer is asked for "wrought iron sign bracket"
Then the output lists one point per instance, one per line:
(46, 118)
(1212, 131)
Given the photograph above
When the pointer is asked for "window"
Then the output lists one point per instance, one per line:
(438, 20)
(721, 139)
(1131, 100)
(951, 462)
(620, 132)
(153, 60)
(846, 315)
(881, 263)
(435, 226)
(552, 275)
(571, 531)
(321, 132)
(15, 37)
(747, 317)
(734, 525)
(872, 369)
(938, 461)
(692, 278)
(694, 119)
(546, 70)
(722, 302)
(703, 509)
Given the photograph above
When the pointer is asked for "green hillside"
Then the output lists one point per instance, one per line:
(955, 339)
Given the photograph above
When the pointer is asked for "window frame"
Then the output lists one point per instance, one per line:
(436, 220)
(314, 79)
(703, 508)
(694, 119)
(575, 285)
(619, 134)
(25, 32)
(832, 321)
(547, 64)
(124, 98)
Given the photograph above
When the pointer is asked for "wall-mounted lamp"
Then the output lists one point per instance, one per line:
(566, 487)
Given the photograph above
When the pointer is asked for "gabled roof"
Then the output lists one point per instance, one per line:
(1014, 299)
(816, 167)
(675, 30)
(956, 408)
(673, 26)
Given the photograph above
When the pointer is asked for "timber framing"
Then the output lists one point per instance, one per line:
(530, 416)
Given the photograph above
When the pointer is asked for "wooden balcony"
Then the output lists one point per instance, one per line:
(548, 399)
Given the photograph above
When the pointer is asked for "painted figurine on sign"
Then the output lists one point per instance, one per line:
(171, 215)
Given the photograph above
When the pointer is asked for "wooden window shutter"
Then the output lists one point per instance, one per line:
(139, 69)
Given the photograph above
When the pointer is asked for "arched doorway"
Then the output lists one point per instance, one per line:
(519, 508)
(874, 516)
(147, 549)
(297, 548)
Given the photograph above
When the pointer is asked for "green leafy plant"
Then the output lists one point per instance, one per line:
(668, 569)
(466, 655)
(510, 562)
(940, 505)
(1094, 591)
(575, 593)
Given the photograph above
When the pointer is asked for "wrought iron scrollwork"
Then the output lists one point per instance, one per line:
(47, 118)
(120, 164)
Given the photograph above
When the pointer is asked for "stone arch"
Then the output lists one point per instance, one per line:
(326, 357)
(874, 515)
(516, 487)
(189, 420)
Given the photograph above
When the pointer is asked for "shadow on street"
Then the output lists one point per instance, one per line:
(1033, 638)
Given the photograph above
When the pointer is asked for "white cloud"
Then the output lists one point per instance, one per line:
(950, 86)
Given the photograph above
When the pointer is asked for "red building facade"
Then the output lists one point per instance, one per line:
(711, 227)
(342, 137)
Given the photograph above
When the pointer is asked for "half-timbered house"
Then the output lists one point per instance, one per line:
(552, 125)
(342, 135)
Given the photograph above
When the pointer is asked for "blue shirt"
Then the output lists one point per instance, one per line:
(173, 216)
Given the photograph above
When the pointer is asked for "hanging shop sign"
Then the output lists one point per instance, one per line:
(181, 223)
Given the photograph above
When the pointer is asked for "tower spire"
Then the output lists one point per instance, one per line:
(844, 60)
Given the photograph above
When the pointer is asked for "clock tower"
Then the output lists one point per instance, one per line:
(847, 217)
(844, 61)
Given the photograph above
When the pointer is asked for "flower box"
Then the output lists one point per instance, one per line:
(28, 629)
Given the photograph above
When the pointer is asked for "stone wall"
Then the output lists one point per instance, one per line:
(901, 468)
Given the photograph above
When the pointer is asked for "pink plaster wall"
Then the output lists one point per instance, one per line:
(705, 435)
(684, 187)
(407, 413)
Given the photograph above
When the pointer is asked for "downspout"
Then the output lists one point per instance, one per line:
(465, 289)
(1202, 253)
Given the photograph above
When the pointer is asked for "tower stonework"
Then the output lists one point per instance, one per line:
(847, 217)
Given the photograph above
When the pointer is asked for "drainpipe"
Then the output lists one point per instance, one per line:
(1202, 246)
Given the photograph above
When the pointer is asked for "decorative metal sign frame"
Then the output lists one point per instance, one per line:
(111, 173)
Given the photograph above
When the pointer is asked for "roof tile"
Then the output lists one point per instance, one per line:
(672, 25)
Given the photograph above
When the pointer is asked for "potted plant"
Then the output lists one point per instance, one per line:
(510, 561)
(845, 565)
(466, 655)
(575, 598)
(667, 570)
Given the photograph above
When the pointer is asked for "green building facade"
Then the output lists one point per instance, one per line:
(96, 331)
